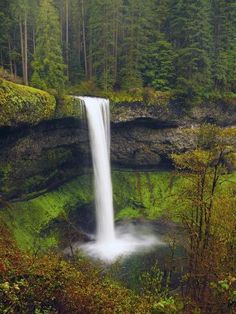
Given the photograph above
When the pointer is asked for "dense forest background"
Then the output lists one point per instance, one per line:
(185, 46)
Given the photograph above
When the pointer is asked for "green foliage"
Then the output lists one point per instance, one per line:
(85, 88)
(224, 61)
(190, 33)
(47, 284)
(27, 219)
(21, 104)
(226, 290)
(129, 212)
(48, 62)
(184, 46)
(156, 288)
(4, 74)
(206, 206)
(142, 194)
(68, 107)
(136, 195)
(159, 66)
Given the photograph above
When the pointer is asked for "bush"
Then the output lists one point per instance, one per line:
(21, 104)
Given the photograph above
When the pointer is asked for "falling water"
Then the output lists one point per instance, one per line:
(110, 242)
(98, 116)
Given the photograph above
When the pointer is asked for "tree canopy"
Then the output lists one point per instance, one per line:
(186, 46)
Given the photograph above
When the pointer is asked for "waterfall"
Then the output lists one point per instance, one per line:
(98, 117)
(110, 242)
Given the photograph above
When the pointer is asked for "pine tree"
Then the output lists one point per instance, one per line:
(224, 49)
(103, 29)
(48, 63)
(135, 30)
(20, 10)
(190, 33)
(158, 66)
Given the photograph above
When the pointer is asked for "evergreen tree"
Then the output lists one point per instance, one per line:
(103, 26)
(158, 66)
(190, 33)
(48, 63)
(224, 49)
(135, 28)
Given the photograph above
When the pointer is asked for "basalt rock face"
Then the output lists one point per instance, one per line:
(175, 115)
(137, 145)
(38, 158)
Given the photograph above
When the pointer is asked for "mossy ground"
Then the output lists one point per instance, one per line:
(28, 219)
(23, 104)
(137, 195)
(142, 194)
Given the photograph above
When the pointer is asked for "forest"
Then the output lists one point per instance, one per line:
(117, 156)
(187, 47)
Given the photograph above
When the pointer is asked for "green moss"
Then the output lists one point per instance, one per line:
(26, 176)
(28, 219)
(142, 194)
(129, 212)
(23, 104)
(5, 174)
(136, 195)
(69, 106)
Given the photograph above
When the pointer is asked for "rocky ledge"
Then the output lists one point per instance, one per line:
(174, 114)
(35, 155)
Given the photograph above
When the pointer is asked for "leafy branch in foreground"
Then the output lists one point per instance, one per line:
(206, 207)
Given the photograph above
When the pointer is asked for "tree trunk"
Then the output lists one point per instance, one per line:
(67, 36)
(22, 50)
(10, 60)
(34, 41)
(84, 41)
(26, 50)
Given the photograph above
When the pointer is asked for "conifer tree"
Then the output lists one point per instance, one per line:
(224, 49)
(134, 39)
(158, 66)
(48, 63)
(190, 33)
(104, 25)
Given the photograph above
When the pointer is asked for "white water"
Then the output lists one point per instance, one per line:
(98, 117)
(110, 243)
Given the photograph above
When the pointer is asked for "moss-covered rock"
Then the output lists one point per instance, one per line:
(136, 195)
(69, 106)
(142, 194)
(28, 219)
(21, 104)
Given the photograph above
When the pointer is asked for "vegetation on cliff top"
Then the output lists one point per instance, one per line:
(22, 104)
(187, 47)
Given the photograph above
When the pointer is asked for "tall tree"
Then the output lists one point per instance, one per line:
(133, 39)
(48, 61)
(103, 27)
(224, 49)
(190, 33)
(158, 67)
(20, 10)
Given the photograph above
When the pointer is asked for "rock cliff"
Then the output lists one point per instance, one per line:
(35, 155)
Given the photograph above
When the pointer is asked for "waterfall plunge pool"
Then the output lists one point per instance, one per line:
(129, 238)
(148, 244)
